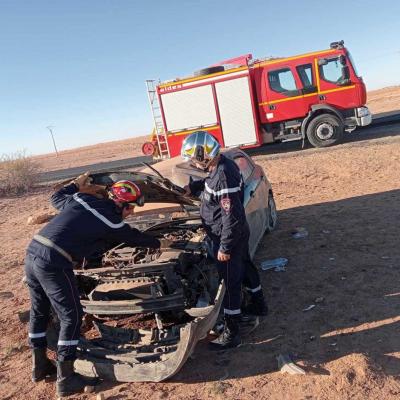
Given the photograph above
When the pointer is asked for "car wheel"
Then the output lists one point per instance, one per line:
(272, 214)
(325, 130)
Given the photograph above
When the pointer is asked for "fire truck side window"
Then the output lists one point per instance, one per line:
(331, 71)
(306, 75)
(282, 81)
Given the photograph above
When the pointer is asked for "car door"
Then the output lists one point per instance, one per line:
(254, 196)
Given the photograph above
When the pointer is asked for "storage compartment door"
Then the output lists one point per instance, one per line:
(236, 112)
(189, 108)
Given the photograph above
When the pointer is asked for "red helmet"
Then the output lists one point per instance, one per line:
(127, 192)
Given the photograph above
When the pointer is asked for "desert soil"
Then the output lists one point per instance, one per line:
(381, 100)
(347, 198)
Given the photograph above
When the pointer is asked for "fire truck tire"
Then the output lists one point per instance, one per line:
(325, 130)
(209, 70)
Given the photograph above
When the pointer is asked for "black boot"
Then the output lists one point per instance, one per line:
(230, 337)
(41, 365)
(70, 382)
(256, 305)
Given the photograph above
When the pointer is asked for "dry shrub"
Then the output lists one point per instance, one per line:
(18, 173)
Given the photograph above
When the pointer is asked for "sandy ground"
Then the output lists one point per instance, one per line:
(382, 100)
(347, 198)
(97, 153)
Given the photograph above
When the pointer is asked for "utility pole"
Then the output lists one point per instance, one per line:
(52, 136)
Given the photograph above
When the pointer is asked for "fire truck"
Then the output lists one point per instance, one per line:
(244, 102)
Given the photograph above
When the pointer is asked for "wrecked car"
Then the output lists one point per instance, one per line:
(145, 309)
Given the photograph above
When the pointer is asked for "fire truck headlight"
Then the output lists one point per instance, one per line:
(362, 112)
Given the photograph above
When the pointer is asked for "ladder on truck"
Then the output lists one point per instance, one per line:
(163, 148)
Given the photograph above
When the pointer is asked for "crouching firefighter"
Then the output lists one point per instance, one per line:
(224, 219)
(87, 218)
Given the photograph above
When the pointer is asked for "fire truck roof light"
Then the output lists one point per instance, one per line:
(337, 45)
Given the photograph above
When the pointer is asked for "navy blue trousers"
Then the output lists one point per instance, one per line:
(53, 286)
(237, 272)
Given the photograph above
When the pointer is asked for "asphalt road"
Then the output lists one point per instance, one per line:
(381, 126)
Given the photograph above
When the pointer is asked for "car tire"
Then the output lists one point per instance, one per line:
(325, 130)
(209, 70)
(272, 214)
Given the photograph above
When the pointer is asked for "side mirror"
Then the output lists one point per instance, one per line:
(322, 61)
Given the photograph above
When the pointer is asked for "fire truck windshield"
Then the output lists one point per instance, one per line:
(350, 58)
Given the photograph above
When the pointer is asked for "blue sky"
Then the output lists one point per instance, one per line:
(81, 65)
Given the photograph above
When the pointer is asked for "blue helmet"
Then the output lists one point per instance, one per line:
(201, 148)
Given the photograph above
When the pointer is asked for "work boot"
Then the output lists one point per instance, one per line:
(42, 367)
(230, 337)
(70, 382)
(256, 305)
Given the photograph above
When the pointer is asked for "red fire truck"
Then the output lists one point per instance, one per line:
(245, 102)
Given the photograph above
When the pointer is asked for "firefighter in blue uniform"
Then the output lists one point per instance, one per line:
(87, 219)
(224, 220)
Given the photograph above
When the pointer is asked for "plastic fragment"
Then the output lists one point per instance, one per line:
(277, 264)
(89, 389)
(299, 233)
(310, 307)
(285, 364)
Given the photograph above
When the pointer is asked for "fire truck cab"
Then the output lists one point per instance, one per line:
(244, 102)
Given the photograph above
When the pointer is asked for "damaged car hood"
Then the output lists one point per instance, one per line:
(154, 188)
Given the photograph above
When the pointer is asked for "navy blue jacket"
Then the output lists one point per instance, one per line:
(85, 224)
(222, 211)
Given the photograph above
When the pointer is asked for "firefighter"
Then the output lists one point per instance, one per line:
(87, 219)
(224, 219)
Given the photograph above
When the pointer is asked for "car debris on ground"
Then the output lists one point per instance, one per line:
(286, 364)
(276, 264)
(299, 233)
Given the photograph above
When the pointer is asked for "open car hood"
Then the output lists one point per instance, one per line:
(154, 188)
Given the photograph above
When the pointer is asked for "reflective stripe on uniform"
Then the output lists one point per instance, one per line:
(67, 342)
(257, 289)
(49, 243)
(37, 335)
(232, 312)
(97, 214)
(222, 191)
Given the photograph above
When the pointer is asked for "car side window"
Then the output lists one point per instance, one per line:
(246, 168)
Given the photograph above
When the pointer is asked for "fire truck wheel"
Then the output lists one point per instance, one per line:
(325, 130)
(209, 70)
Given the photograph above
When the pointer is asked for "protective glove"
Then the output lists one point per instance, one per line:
(82, 180)
(165, 243)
